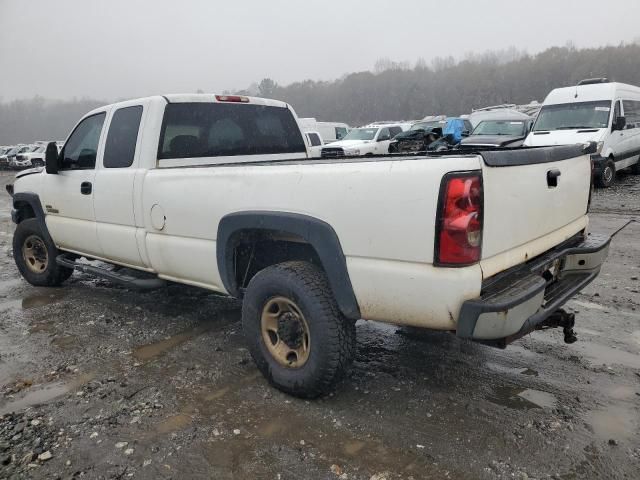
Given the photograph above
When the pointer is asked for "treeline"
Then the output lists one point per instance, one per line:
(24, 121)
(393, 91)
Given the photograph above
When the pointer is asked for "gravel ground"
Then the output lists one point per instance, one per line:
(97, 381)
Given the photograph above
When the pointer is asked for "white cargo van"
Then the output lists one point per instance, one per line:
(594, 110)
(329, 131)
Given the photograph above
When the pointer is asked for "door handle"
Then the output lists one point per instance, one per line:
(552, 177)
(85, 188)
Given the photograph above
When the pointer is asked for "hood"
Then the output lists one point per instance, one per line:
(29, 171)
(347, 143)
(491, 140)
(565, 137)
(414, 134)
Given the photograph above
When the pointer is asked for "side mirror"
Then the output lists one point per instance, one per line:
(384, 138)
(51, 158)
(465, 133)
(620, 123)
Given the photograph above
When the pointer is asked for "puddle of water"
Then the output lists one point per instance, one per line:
(151, 351)
(64, 342)
(174, 423)
(522, 398)
(616, 422)
(496, 367)
(601, 354)
(45, 394)
(40, 300)
(590, 305)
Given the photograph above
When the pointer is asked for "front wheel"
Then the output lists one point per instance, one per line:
(295, 332)
(35, 255)
(608, 174)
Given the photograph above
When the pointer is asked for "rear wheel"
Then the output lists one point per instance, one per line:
(608, 174)
(296, 334)
(35, 255)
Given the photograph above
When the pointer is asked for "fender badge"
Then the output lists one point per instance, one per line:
(50, 209)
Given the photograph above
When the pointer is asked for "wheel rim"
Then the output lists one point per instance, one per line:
(35, 254)
(608, 174)
(285, 332)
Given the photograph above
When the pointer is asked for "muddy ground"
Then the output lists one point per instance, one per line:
(97, 381)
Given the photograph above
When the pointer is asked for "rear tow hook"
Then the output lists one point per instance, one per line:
(561, 318)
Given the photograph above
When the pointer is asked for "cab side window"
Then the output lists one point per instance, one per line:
(315, 140)
(120, 147)
(393, 131)
(384, 135)
(81, 149)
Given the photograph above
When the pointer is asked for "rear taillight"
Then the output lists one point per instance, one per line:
(459, 219)
(232, 98)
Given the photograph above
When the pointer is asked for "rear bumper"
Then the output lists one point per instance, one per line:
(515, 302)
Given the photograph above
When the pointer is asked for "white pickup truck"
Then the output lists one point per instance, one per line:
(219, 192)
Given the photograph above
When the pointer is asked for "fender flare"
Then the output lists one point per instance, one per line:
(320, 235)
(33, 200)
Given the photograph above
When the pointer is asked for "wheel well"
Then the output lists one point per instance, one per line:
(25, 211)
(257, 249)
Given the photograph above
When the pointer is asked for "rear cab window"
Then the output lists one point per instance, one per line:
(120, 148)
(199, 130)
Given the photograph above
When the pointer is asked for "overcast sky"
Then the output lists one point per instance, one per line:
(111, 49)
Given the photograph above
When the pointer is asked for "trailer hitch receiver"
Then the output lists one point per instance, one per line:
(561, 318)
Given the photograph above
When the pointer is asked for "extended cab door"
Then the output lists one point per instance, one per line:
(68, 195)
(115, 186)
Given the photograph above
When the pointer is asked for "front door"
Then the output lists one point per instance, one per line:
(68, 195)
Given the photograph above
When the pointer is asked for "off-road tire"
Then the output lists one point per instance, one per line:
(332, 336)
(608, 175)
(53, 274)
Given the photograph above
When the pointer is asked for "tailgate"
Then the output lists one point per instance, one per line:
(525, 211)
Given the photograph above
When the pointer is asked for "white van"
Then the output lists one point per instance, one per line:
(329, 131)
(595, 110)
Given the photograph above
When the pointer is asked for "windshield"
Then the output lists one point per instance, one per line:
(428, 125)
(571, 116)
(361, 134)
(24, 149)
(500, 127)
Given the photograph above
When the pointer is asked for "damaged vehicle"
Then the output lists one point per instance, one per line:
(418, 137)
(155, 185)
(452, 134)
(497, 134)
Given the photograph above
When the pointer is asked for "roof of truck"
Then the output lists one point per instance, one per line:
(588, 93)
(198, 98)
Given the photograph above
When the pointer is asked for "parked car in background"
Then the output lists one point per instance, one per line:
(503, 112)
(21, 159)
(314, 141)
(497, 133)
(451, 134)
(418, 137)
(594, 110)
(34, 158)
(373, 139)
(329, 131)
(4, 159)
